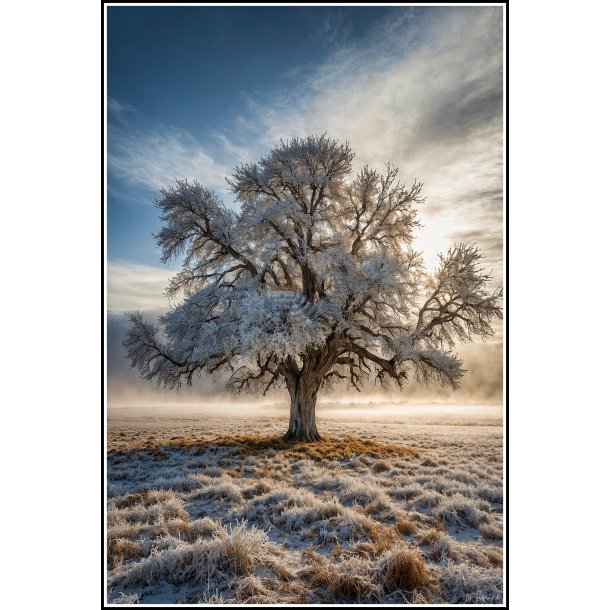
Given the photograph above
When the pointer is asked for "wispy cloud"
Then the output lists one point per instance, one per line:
(334, 29)
(133, 286)
(156, 157)
(425, 92)
(119, 111)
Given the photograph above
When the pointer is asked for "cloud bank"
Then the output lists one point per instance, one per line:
(134, 287)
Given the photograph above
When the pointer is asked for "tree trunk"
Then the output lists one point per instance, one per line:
(302, 426)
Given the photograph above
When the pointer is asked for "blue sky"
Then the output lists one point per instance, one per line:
(193, 74)
(194, 91)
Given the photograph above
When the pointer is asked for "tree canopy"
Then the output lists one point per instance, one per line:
(313, 280)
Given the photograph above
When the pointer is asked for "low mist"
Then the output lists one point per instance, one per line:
(482, 383)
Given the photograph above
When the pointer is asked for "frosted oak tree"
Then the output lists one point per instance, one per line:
(314, 280)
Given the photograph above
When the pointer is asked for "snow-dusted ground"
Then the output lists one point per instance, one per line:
(205, 509)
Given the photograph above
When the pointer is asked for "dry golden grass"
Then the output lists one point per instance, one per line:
(374, 507)
(430, 535)
(381, 466)
(262, 486)
(354, 497)
(279, 568)
(293, 593)
(173, 527)
(348, 585)
(201, 528)
(131, 499)
(121, 550)
(249, 588)
(269, 473)
(363, 572)
(145, 498)
(405, 526)
(495, 556)
(491, 531)
(337, 583)
(405, 568)
(424, 519)
(382, 539)
(327, 449)
(238, 554)
(362, 548)
(234, 474)
(331, 448)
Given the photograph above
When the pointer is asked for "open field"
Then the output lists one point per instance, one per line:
(204, 509)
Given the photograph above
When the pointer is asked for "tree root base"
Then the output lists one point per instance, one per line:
(291, 437)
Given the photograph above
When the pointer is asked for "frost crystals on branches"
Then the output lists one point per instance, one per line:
(315, 280)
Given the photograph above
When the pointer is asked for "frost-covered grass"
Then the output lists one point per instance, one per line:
(217, 511)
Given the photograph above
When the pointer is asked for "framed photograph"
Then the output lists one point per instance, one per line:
(305, 259)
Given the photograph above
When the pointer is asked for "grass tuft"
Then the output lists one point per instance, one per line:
(405, 526)
(490, 531)
(121, 549)
(404, 567)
